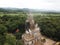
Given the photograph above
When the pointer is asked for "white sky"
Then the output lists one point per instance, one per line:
(33, 4)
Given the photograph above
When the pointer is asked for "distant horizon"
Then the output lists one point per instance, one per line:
(32, 9)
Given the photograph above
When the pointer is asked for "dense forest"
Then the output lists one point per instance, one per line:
(50, 26)
(13, 26)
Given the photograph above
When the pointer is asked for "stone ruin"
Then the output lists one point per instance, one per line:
(32, 34)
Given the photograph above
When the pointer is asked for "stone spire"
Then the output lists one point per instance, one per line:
(30, 21)
(32, 34)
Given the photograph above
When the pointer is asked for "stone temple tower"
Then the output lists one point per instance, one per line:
(32, 34)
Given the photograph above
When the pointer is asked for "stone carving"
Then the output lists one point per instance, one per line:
(32, 35)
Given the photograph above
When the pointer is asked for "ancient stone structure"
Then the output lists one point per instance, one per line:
(32, 34)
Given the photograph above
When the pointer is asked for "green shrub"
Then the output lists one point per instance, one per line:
(10, 39)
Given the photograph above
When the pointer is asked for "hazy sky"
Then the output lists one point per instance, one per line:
(33, 4)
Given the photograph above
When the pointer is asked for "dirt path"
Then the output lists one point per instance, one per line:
(48, 41)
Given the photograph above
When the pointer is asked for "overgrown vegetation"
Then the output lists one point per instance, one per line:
(14, 25)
